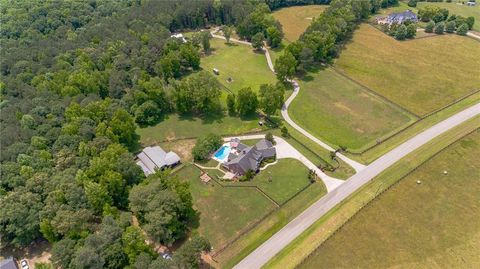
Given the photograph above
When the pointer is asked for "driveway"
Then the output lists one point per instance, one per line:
(285, 150)
(289, 232)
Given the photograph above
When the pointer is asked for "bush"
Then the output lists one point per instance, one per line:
(248, 176)
(439, 28)
(269, 137)
(401, 32)
(450, 27)
(284, 131)
(411, 30)
(205, 145)
(429, 27)
(412, 3)
(462, 29)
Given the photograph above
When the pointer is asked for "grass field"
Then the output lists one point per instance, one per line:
(416, 226)
(239, 62)
(308, 241)
(458, 9)
(421, 75)
(288, 176)
(342, 112)
(296, 19)
(224, 212)
(176, 127)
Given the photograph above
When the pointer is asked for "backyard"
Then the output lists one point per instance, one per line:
(343, 113)
(296, 19)
(420, 75)
(416, 225)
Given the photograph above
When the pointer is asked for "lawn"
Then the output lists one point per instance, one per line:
(239, 62)
(412, 225)
(224, 212)
(341, 112)
(458, 9)
(420, 75)
(177, 127)
(280, 181)
(296, 19)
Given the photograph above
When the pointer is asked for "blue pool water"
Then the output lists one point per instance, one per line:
(223, 152)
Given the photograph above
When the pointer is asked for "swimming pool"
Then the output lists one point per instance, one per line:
(222, 154)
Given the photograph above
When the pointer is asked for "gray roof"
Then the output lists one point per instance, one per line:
(250, 157)
(155, 157)
(402, 16)
(8, 263)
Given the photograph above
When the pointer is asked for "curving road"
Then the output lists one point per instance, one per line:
(296, 88)
(289, 232)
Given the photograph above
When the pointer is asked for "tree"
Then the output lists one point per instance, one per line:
(450, 27)
(134, 244)
(188, 255)
(147, 113)
(247, 102)
(470, 21)
(285, 66)
(401, 32)
(231, 104)
(257, 41)
(429, 27)
(269, 137)
(411, 30)
(63, 252)
(284, 131)
(271, 98)
(227, 33)
(97, 196)
(412, 3)
(206, 41)
(205, 145)
(274, 36)
(439, 27)
(462, 29)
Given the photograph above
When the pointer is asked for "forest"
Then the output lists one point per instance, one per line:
(78, 77)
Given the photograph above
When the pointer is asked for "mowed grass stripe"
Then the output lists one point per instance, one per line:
(420, 75)
(416, 225)
(341, 112)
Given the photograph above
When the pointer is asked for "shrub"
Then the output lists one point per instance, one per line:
(401, 32)
(462, 29)
(269, 137)
(439, 28)
(429, 27)
(284, 131)
(411, 30)
(412, 3)
(205, 145)
(248, 176)
(450, 27)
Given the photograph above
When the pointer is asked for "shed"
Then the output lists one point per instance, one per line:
(152, 158)
(216, 72)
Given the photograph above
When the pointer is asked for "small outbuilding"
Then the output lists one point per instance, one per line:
(180, 37)
(471, 3)
(152, 158)
(216, 72)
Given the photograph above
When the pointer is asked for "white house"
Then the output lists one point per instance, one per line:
(179, 36)
(152, 158)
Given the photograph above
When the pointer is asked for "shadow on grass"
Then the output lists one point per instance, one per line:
(308, 74)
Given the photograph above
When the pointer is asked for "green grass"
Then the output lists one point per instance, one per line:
(421, 75)
(296, 19)
(273, 223)
(308, 241)
(416, 226)
(372, 154)
(341, 112)
(239, 62)
(462, 10)
(288, 176)
(177, 127)
(224, 212)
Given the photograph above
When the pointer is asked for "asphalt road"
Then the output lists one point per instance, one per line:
(289, 232)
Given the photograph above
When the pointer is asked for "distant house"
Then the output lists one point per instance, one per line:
(244, 158)
(397, 18)
(471, 3)
(152, 158)
(8, 263)
(179, 36)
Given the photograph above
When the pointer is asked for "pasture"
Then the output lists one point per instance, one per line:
(296, 19)
(416, 225)
(458, 8)
(421, 75)
(240, 63)
(343, 113)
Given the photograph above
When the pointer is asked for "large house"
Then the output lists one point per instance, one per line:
(243, 158)
(397, 18)
(152, 158)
